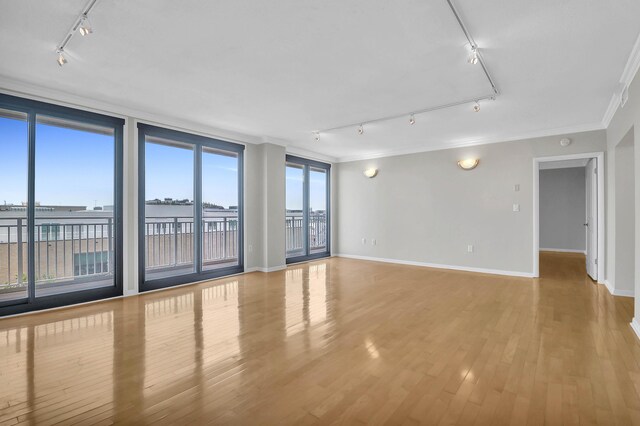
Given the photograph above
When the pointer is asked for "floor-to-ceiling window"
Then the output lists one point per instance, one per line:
(307, 221)
(60, 205)
(190, 207)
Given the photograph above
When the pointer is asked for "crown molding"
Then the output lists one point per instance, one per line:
(15, 87)
(558, 131)
(628, 74)
(300, 152)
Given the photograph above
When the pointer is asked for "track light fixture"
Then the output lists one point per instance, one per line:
(61, 59)
(473, 56)
(85, 26)
(81, 25)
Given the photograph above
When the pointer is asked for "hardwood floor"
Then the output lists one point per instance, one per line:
(333, 341)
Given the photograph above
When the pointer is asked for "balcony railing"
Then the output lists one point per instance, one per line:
(66, 248)
(77, 248)
(294, 237)
(169, 241)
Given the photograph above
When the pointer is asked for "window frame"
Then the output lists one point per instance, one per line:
(33, 109)
(307, 164)
(199, 142)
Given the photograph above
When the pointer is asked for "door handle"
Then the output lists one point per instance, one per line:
(586, 224)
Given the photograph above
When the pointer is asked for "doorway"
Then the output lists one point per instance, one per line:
(572, 221)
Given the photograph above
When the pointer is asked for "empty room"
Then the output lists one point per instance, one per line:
(301, 212)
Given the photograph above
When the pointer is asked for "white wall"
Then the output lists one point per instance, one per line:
(563, 209)
(423, 208)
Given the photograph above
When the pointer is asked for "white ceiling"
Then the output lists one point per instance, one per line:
(278, 70)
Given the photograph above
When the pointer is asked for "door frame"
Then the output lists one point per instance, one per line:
(198, 142)
(307, 164)
(600, 167)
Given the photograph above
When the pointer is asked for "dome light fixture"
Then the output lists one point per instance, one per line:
(476, 107)
(468, 164)
(371, 172)
(412, 120)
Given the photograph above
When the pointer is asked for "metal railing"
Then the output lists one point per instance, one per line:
(169, 241)
(65, 248)
(294, 229)
(71, 248)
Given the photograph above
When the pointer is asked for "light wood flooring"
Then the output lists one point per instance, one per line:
(333, 341)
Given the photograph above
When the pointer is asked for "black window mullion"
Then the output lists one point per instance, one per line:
(305, 208)
(197, 205)
(31, 208)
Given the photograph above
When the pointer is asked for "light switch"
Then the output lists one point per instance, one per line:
(516, 207)
(470, 248)
(516, 187)
(373, 241)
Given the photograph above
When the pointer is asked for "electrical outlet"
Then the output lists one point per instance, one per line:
(516, 207)
(516, 187)
(470, 248)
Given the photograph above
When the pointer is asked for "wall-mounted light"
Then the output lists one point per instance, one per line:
(370, 173)
(468, 164)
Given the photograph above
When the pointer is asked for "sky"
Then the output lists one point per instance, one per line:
(294, 188)
(75, 167)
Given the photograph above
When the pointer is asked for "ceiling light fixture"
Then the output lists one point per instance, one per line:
(412, 120)
(316, 135)
(85, 26)
(468, 164)
(81, 25)
(476, 107)
(61, 59)
(473, 56)
(360, 129)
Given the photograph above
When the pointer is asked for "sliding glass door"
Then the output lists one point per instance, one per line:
(60, 227)
(190, 207)
(307, 221)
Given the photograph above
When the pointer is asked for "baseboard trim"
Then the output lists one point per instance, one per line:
(614, 292)
(636, 327)
(557, 250)
(261, 269)
(439, 266)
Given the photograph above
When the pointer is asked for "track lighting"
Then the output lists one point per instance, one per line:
(61, 59)
(476, 107)
(473, 56)
(85, 26)
(360, 129)
(412, 120)
(80, 25)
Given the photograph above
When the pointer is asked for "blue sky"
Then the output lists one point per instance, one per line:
(317, 185)
(75, 167)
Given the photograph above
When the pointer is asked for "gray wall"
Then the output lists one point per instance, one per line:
(563, 209)
(423, 208)
(625, 213)
(625, 120)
